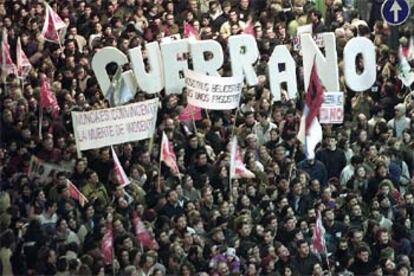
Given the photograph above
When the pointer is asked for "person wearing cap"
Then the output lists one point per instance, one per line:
(400, 122)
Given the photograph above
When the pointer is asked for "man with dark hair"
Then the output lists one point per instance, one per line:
(362, 264)
(333, 158)
(305, 260)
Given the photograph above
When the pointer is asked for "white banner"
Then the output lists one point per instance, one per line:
(111, 126)
(209, 92)
(45, 171)
(332, 109)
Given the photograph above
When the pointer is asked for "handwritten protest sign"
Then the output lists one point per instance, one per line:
(111, 126)
(44, 171)
(332, 109)
(209, 92)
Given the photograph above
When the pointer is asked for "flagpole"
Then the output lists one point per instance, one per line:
(194, 124)
(231, 139)
(40, 122)
(159, 171)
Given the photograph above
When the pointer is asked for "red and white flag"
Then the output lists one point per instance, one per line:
(168, 154)
(190, 113)
(107, 244)
(318, 237)
(47, 98)
(310, 130)
(237, 167)
(120, 174)
(23, 63)
(7, 65)
(142, 234)
(52, 26)
(76, 194)
(190, 31)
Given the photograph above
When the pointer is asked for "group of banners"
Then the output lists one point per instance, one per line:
(137, 121)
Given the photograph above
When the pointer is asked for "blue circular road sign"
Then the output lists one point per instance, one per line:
(395, 12)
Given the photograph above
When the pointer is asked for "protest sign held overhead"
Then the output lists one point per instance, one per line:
(214, 93)
(111, 126)
(332, 109)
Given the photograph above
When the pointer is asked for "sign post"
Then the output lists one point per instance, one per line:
(395, 12)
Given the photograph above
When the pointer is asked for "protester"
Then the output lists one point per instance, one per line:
(347, 209)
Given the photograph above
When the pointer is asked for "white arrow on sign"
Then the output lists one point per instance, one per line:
(395, 8)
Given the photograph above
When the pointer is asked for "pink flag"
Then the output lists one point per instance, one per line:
(23, 63)
(120, 174)
(7, 65)
(76, 194)
(53, 23)
(190, 31)
(237, 168)
(190, 113)
(168, 155)
(249, 29)
(107, 244)
(318, 237)
(142, 234)
(47, 98)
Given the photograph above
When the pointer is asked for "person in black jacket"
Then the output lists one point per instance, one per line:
(362, 264)
(333, 158)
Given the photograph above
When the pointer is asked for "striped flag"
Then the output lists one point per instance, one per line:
(47, 98)
(120, 174)
(7, 65)
(168, 154)
(53, 25)
(107, 244)
(237, 167)
(76, 194)
(190, 113)
(318, 237)
(142, 234)
(23, 63)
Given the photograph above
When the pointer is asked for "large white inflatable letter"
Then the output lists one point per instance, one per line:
(106, 56)
(200, 64)
(175, 67)
(153, 81)
(243, 54)
(327, 65)
(365, 47)
(281, 55)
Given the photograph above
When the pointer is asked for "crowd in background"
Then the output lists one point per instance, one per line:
(360, 181)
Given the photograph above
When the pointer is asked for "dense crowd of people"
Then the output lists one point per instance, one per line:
(360, 181)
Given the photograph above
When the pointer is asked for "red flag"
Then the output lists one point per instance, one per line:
(120, 174)
(190, 113)
(7, 65)
(107, 244)
(53, 23)
(237, 168)
(190, 31)
(168, 155)
(142, 234)
(318, 236)
(23, 63)
(47, 98)
(314, 97)
(76, 194)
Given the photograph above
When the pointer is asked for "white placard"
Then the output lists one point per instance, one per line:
(45, 171)
(111, 126)
(332, 109)
(210, 92)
